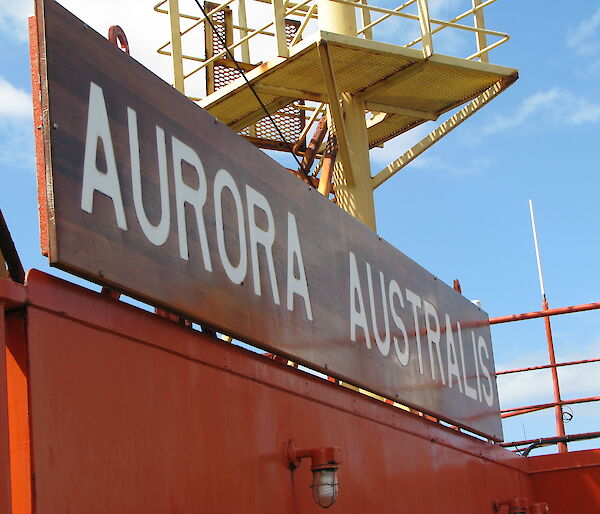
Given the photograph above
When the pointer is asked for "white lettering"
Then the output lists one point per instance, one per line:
(223, 179)
(194, 197)
(94, 179)
(265, 238)
(469, 391)
(358, 316)
(476, 358)
(156, 234)
(382, 344)
(453, 370)
(487, 394)
(403, 355)
(433, 337)
(415, 301)
(295, 285)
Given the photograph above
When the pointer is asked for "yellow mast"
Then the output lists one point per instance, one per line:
(372, 91)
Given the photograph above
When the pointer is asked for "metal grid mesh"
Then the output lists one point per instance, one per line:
(223, 75)
(290, 120)
(441, 86)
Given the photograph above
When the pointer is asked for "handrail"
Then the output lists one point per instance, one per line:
(416, 18)
(242, 40)
(473, 10)
(308, 10)
(546, 313)
(386, 16)
(547, 366)
(517, 411)
(552, 440)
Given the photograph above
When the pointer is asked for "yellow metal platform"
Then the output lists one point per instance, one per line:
(391, 79)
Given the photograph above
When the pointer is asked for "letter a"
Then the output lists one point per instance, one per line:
(93, 178)
(358, 317)
(295, 285)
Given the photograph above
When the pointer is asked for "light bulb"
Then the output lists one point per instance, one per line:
(325, 487)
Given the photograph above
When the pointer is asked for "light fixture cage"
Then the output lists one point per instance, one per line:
(325, 486)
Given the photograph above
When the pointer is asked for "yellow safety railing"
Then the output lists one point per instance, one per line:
(306, 11)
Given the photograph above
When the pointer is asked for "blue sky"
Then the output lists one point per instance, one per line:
(460, 210)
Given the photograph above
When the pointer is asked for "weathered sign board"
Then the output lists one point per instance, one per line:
(146, 193)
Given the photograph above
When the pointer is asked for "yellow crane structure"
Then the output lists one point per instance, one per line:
(321, 68)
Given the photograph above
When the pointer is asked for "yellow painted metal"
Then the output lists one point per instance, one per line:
(305, 21)
(242, 18)
(356, 197)
(441, 131)
(366, 21)
(351, 180)
(425, 24)
(279, 19)
(252, 33)
(337, 18)
(336, 115)
(481, 31)
(308, 8)
(480, 24)
(443, 84)
(402, 87)
(176, 46)
(369, 26)
(442, 24)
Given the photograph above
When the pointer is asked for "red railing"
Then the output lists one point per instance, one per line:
(558, 403)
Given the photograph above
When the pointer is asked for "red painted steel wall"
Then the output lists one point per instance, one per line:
(134, 413)
(4, 444)
(568, 482)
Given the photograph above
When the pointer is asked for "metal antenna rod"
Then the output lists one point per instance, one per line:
(558, 413)
(537, 250)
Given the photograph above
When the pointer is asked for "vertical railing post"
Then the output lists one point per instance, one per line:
(425, 23)
(176, 52)
(481, 36)
(558, 412)
(242, 20)
(280, 35)
(365, 16)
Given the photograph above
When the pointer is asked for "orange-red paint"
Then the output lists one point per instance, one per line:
(5, 498)
(40, 152)
(568, 482)
(131, 412)
(17, 378)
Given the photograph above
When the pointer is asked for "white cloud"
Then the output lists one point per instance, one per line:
(16, 144)
(556, 106)
(535, 387)
(442, 166)
(13, 18)
(146, 29)
(583, 38)
(520, 389)
(14, 102)
(16, 127)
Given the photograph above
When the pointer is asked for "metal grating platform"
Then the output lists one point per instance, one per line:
(392, 79)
